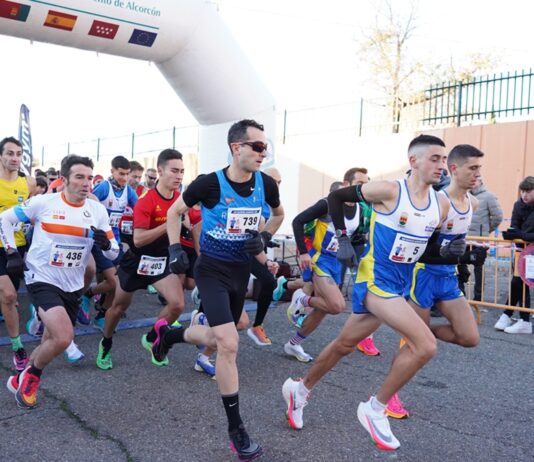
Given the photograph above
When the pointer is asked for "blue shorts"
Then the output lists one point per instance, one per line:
(378, 286)
(103, 263)
(429, 288)
(326, 266)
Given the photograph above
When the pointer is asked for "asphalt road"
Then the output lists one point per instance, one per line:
(474, 405)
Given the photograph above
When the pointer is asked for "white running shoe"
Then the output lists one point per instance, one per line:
(34, 326)
(520, 327)
(295, 407)
(195, 298)
(73, 354)
(198, 319)
(298, 352)
(377, 424)
(296, 309)
(503, 322)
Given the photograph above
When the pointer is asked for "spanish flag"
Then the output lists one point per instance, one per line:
(60, 20)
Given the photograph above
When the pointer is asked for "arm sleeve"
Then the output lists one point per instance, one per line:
(317, 210)
(142, 213)
(199, 189)
(431, 254)
(101, 191)
(335, 204)
(272, 194)
(103, 223)
(20, 213)
(495, 213)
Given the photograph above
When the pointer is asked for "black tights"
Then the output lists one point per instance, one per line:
(267, 284)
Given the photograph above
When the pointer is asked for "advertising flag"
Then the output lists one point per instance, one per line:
(25, 137)
(13, 10)
(103, 29)
(59, 20)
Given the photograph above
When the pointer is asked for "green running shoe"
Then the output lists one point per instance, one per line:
(103, 359)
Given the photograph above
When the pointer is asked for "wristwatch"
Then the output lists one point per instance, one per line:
(341, 232)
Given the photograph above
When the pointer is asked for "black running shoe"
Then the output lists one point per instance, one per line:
(243, 446)
(159, 349)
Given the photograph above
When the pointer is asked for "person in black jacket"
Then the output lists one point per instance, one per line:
(522, 228)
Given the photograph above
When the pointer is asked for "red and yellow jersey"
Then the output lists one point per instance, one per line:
(149, 213)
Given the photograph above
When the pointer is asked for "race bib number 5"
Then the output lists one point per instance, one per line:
(240, 219)
(67, 255)
(151, 266)
(407, 249)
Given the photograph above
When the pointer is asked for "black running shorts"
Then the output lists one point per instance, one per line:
(3, 263)
(222, 288)
(129, 278)
(46, 296)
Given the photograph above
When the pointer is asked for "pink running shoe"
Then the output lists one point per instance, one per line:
(367, 347)
(395, 408)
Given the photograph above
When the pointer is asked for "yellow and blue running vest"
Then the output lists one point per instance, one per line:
(14, 193)
(396, 241)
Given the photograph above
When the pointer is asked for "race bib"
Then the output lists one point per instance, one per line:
(407, 249)
(114, 219)
(151, 266)
(242, 218)
(67, 255)
(333, 245)
(127, 227)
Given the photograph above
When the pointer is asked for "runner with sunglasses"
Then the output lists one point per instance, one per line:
(232, 200)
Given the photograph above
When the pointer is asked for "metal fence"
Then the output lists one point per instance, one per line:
(483, 98)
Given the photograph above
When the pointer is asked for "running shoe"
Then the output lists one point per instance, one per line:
(195, 298)
(377, 425)
(100, 320)
(103, 359)
(279, 291)
(84, 313)
(258, 335)
(243, 446)
(159, 350)
(503, 322)
(395, 408)
(151, 290)
(176, 324)
(198, 319)
(73, 354)
(297, 352)
(26, 394)
(295, 406)
(367, 347)
(206, 366)
(296, 312)
(13, 383)
(146, 344)
(34, 326)
(20, 359)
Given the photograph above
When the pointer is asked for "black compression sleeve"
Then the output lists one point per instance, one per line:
(431, 254)
(319, 209)
(335, 204)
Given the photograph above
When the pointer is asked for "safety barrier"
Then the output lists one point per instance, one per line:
(501, 264)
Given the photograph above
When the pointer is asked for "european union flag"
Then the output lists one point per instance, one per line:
(142, 37)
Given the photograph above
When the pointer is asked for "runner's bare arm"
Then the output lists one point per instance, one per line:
(174, 220)
(275, 220)
(195, 232)
(32, 184)
(8, 220)
(142, 237)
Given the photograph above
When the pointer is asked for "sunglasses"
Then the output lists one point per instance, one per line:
(257, 146)
(153, 178)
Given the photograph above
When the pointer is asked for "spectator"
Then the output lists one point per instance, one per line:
(486, 220)
(522, 228)
(51, 175)
(40, 185)
(151, 176)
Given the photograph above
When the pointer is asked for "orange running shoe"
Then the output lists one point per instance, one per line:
(395, 408)
(26, 395)
(367, 347)
(258, 335)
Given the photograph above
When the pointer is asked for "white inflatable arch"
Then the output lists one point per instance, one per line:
(187, 40)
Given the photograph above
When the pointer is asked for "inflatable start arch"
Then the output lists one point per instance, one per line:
(187, 40)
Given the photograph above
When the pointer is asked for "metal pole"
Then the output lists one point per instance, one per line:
(174, 137)
(42, 156)
(98, 149)
(361, 118)
(285, 126)
(68, 148)
(459, 115)
(133, 142)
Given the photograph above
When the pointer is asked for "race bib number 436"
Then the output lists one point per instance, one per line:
(67, 255)
(407, 249)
